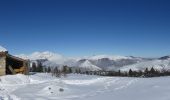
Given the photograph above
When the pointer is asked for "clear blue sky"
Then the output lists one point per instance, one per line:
(86, 27)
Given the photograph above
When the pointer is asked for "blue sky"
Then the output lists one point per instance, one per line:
(86, 27)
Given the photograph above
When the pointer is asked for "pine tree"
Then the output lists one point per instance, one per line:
(34, 68)
(65, 71)
(130, 72)
(57, 72)
(40, 68)
(45, 69)
(152, 70)
(70, 70)
(79, 71)
(146, 72)
(76, 71)
(140, 73)
(49, 69)
(119, 73)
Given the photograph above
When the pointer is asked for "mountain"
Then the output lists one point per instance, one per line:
(107, 56)
(164, 58)
(114, 64)
(158, 64)
(53, 57)
(93, 63)
(107, 62)
(99, 62)
(87, 65)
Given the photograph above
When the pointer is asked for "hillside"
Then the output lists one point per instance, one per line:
(158, 64)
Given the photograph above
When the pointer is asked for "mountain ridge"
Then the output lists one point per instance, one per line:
(97, 62)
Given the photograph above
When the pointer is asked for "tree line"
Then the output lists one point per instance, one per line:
(55, 71)
(146, 73)
(64, 70)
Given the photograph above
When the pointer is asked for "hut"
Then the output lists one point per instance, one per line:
(10, 65)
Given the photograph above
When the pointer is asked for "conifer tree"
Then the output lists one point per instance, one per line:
(34, 68)
(130, 72)
(49, 69)
(40, 68)
(70, 70)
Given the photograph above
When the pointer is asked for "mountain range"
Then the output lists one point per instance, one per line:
(100, 62)
(97, 62)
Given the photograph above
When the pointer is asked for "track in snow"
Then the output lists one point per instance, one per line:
(83, 87)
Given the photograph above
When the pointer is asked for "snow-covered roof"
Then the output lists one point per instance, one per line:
(2, 49)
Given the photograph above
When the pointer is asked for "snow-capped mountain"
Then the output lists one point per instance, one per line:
(104, 62)
(159, 64)
(53, 57)
(87, 65)
(108, 56)
(107, 63)
(164, 58)
(91, 63)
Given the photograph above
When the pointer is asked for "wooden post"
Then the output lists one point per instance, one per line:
(12, 70)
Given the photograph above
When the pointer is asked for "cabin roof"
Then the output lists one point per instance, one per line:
(2, 54)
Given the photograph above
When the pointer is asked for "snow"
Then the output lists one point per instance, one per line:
(53, 58)
(58, 59)
(156, 64)
(82, 87)
(108, 56)
(89, 66)
(2, 49)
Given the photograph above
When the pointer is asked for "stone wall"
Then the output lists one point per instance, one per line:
(2, 66)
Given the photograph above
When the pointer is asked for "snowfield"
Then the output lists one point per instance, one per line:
(83, 87)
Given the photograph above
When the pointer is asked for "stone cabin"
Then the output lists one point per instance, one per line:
(10, 65)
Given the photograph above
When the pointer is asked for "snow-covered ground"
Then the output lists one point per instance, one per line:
(83, 87)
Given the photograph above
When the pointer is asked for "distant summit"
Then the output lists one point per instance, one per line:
(164, 58)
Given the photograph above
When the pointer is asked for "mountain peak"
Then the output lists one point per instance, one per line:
(52, 57)
(89, 66)
(164, 58)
